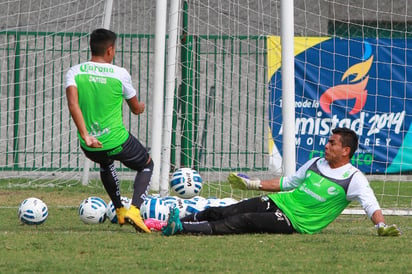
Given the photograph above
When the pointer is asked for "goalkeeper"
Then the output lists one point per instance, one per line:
(306, 202)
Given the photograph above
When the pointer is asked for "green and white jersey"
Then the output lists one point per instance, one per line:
(102, 88)
(317, 194)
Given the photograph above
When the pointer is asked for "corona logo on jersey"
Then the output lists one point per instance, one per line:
(362, 84)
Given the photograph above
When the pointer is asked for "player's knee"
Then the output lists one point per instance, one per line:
(149, 165)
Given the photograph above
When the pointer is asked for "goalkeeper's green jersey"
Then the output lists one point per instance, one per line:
(318, 197)
(101, 89)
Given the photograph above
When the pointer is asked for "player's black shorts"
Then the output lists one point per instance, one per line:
(131, 153)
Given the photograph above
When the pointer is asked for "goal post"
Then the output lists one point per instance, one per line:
(171, 67)
(158, 91)
(288, 87)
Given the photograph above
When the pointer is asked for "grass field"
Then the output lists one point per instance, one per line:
(64, 244)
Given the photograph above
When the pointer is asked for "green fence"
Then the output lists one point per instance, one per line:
(227, 81)
(220, 97)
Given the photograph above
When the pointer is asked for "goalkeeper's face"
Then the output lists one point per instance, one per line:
(335, 153)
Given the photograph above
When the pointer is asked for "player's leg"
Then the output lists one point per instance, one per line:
(108, 175)
(256, 215)
(261, 222)
(111, 183)
(256, 204)
(266, 222)
(110, 180)
(271, 221)
(135, 156)
(142, 183)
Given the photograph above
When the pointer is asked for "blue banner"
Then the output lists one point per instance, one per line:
(363, 84)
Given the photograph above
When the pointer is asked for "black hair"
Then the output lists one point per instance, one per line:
(100, 40)
(348, 138)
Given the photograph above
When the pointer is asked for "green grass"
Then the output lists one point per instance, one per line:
(64, 244)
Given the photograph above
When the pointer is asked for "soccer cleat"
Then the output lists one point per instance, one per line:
(174, 225)
(120, 212)
(133, 217)
(154, 224)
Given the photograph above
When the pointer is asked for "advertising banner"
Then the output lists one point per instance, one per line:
(363, 84)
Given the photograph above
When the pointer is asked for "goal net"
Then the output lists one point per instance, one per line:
(227, 111)
(352, 70)
(39, 41)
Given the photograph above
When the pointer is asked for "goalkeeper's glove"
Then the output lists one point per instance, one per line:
(242, 181)
(388, 230)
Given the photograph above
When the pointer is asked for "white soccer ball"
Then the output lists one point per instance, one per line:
(229, 201)
(171, 201)
(216, 202)
(195, 205)
(111, 211)
(155, 208)
(93, 210)
(186, 183)
(33, 211)
(175, 201)
(182, 204)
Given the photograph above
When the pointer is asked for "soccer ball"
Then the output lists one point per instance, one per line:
(33, 211)
(229, 201)
(175, 201)
(181, 204)
(171, 201)
(155, 208)
(111, 211)
(186, 182)
(195, 205)
(93, 210)
(216, 202)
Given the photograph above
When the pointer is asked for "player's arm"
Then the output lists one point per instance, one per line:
(360, 190)
(135, 106)
(129, 93)
(377, 217)
(272, 185)
(383, 229)
(77, 115)
(242, 181)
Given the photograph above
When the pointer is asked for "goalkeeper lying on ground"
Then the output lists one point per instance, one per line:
(306, 202)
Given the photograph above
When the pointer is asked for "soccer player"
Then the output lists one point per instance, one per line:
(306, 202)
(95, 92)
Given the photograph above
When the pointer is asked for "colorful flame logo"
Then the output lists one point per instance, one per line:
(356, 91)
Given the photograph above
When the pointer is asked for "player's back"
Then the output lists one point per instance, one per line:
(100, 91)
